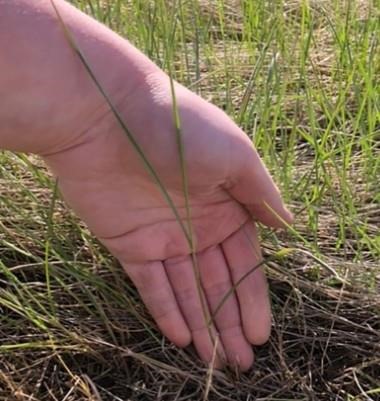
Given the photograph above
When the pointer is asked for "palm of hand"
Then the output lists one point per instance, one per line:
(107, 184)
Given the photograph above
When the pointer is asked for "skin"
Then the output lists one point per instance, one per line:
(51, 107)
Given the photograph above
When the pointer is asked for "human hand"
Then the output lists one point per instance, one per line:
(105, 181)
(67, 121)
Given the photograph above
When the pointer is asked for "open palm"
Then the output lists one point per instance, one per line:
(107, 183)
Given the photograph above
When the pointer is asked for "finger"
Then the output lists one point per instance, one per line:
(182, 278)
(155, 290)
(252, 185)
(242, 253)
(216, 282)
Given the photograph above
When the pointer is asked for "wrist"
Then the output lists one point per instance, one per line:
(49, 97)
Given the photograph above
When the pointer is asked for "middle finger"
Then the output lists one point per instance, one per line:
(181, 274)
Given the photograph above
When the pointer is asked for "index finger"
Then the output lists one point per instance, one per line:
(251, 184)
(155, 290)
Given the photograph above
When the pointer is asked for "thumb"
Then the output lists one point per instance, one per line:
(251, 185)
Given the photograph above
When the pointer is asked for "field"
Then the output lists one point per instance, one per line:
(302, 78)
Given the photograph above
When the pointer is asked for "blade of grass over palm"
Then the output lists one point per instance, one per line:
(185, 187)
(234, 287)
(120, 120)
(182, 160)
(281, 254)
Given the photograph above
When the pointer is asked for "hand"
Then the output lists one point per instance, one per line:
(66, 120)
(105, 181)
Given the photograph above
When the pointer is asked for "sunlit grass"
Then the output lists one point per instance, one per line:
(302, 79)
